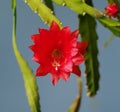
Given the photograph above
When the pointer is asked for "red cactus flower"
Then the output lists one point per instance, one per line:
(58, 52)
(111, 10)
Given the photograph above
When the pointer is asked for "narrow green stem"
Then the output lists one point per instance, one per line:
(28, 77)
(75, 106)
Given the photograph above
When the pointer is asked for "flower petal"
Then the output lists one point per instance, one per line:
(67, 66)
(54, 78)
(75, 34)
(35, 38)
(65, 75)
(32, 47)
(112, 10)
(40, 30)
(74, 51)
(54, 26)
(65, 32)
(41, 71)
(78, 59)
(76, 70)
(82, 47)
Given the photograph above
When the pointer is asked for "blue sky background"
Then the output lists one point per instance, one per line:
(53, 98)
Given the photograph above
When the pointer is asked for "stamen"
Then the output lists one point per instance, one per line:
(55, 64)
(56, 68)
(56, 58)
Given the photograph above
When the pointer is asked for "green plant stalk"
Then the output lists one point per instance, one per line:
(64, 2)
(43, 11)
(49, 4)
(60, 2)
(28, 77)
(75, 106)
(108, 41)
(110, 1)
(82, 8)
(87, 27)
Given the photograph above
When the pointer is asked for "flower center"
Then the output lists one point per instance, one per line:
(56, 53)
(56, 58)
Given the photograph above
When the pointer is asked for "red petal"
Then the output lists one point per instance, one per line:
(36, 59)
(54, 78)
(65, 35)
(76, 70)
(75, 34)
(41, 71)
(35, 38)
(66, 30)
(36, 55)
(111, 9)
(40, 30)
(78, 59)
(74, 51)
(67, 66)
(65, 75)
(32, 47)
(54, 26)
(82, 47)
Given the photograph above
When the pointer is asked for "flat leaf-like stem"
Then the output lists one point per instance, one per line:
(43, 11)
(87, 27)
(49, 4)
(80, 7)
(88, 33)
